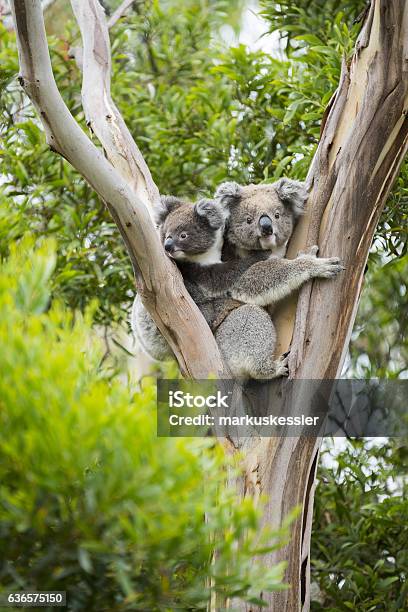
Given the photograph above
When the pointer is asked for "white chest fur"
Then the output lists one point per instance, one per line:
(213, 255)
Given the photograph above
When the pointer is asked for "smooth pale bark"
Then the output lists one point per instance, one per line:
(162, 287)
(4, 8)
(363, 143)
(102, 115)
(120, 11)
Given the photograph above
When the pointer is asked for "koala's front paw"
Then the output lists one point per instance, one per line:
(281, 365)
(328, 267)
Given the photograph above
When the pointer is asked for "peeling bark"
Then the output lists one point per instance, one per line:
(363, 143)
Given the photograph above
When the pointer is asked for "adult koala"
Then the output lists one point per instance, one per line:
(262, 217)
(230, 294)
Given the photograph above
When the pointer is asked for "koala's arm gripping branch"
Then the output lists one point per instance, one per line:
(268, 282)
(165, 295)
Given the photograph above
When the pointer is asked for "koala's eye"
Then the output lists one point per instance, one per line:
(249, 220)
(183, 235)
(277, 215)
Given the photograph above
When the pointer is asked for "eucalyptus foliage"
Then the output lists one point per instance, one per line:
(360, 528)
(91, 501)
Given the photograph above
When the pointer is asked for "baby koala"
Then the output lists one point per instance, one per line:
(191, 233)
(230, 294)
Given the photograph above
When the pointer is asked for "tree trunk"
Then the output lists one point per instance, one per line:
(363, 143)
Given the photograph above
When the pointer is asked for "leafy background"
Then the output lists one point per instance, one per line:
(203, 106)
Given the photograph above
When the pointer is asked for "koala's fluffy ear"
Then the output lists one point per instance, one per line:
(228, 193)
(293, 194)
(212, 211)
(168, 204)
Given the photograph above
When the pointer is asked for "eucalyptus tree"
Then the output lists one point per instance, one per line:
(354, 144)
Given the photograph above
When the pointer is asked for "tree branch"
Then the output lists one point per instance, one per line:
(101, 113)
(363, 143)
(362, 147)
(120, 11)
(160, 282)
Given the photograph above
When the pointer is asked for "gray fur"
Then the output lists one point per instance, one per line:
(261, 283)
(215, 215)
(246, 335)
(281, 202)
(203, 223)
(147, 334)
(228, 192)
(193, 228)
(268, 282)
(293, 194)
(168, 204)
(247, 340)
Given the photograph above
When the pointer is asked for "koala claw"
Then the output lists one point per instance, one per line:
(281, 365)
(329, 267)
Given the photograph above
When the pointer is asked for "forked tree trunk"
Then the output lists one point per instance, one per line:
(363, 143)
(129, 200)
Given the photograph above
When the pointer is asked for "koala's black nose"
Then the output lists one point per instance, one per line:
(169, 244)
(265, 223)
